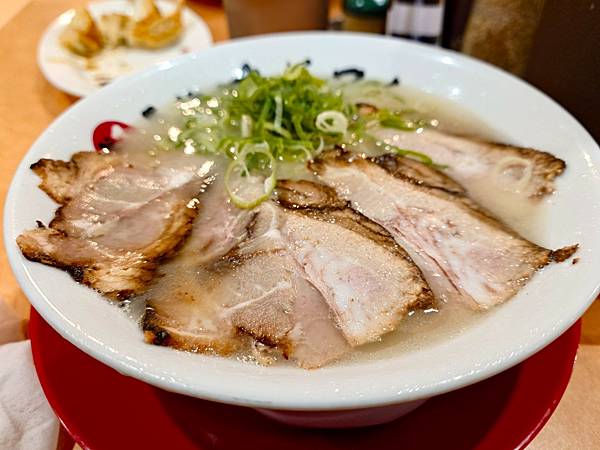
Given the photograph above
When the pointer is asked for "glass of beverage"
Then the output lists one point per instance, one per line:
(248, 17)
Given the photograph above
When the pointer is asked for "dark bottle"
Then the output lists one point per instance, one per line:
(365, 15)
(420, 20)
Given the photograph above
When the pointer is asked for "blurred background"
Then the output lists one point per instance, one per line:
(553, 44)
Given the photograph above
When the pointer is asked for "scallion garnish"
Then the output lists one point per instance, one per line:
(261, 121)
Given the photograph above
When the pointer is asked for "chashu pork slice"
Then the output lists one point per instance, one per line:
(115, 221)
(464, 253)
(260, 298)
(368, 281)
(307, 276)
(472, 161)
(234, 292)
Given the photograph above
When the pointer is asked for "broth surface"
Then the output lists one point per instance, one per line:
(419, 329)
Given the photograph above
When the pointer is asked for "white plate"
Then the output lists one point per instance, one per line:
(553, 300)
(67, 72)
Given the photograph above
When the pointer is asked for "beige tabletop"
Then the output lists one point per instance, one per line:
(28, 104)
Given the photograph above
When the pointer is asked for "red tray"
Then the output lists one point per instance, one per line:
(103, 409)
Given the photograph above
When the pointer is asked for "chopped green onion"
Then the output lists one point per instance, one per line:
(277, 129)
(293, 72)
(265, 121)
(422, 157)
(246, 123)
(332, 122)
(247, 190)
(399, 120)
(278, 111)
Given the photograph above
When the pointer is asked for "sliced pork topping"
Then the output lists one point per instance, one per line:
(464, 253)
(368, 281)
(472, 161)
(113, 214)
(310, 281)
(219, 227)
(368, 287)
(263, 296)
(253, 292)
(62, 180)
(116, 274)
(305, 194)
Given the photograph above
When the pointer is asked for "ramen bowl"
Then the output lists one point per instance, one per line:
(356, 391)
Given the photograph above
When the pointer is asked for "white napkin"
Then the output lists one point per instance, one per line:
(26, 420)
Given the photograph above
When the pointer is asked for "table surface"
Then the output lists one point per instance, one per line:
(29, 104)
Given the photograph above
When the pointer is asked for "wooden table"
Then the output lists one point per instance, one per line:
(28, 104)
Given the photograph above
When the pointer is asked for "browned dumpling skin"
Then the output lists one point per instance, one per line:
(154, 30)
(82, 36)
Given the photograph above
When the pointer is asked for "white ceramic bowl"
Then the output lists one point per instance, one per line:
(544, 309)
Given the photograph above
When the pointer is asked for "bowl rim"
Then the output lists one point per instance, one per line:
(56, 319)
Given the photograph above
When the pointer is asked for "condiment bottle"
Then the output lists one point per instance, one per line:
(365, 15)
(420, 20)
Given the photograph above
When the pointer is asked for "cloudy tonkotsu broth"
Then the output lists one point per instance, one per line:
(419, 328)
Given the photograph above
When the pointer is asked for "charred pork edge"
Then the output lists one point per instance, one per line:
(79, 271)
(45, 169)
(159, 335)
(381, 161)
(286, 195)
(564, 253)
